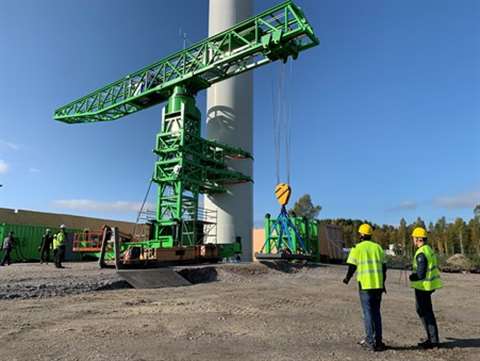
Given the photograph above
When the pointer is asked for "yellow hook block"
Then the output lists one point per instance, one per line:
(283, 192)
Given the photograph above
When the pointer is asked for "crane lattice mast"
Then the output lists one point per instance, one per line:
(187, 164)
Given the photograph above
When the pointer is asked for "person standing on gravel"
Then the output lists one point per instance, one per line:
(8, 243)
(367, 259)
(425, 279)
(47, 241)
(59, 246)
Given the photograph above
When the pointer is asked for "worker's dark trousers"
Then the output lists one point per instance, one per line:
(425, 312)
(59, 253)
(45, 255)
(371, 301)
(6, 256)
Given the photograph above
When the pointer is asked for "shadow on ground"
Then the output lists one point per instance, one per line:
(289, 266)
(199, 275)
(461, 343)
(449, 344)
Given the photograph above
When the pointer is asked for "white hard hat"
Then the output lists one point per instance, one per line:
(62, 226)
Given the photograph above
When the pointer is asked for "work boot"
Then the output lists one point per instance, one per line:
(362, 342)
(380, 346)
(367, 345)
(427, 345)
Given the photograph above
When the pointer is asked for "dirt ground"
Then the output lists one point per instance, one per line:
(250, 312)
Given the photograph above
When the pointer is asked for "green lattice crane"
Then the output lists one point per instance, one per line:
(187, 164)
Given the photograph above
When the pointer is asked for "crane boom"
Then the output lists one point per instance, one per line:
(275, 34)
(189, 165)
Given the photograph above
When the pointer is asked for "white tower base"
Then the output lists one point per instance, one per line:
(230, 121)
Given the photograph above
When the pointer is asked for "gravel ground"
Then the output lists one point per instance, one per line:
(246, 312)
(31, 280)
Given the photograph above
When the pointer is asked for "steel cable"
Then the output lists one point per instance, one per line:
(143, 205)
(281, 121)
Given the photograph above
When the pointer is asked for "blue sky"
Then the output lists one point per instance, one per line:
(385, 112)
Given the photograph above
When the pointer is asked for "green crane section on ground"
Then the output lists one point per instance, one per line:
(187, 164)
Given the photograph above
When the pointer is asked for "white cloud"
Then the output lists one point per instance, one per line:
(3, 167)
(9, 145)
(91, 205)
(33, 170)
(406, 205)
(458, 201)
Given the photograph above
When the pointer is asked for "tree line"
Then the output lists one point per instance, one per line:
(447, 238)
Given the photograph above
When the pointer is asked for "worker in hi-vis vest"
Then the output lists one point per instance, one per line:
(368, 260)
(425, 279)
(59, 246)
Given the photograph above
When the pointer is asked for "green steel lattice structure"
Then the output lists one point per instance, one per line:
(189, 165)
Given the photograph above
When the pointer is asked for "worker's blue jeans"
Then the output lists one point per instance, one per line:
(425, 312)
(372, 318)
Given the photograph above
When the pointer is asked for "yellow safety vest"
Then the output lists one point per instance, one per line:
(432, 279)
(58, 240)
(369, 258)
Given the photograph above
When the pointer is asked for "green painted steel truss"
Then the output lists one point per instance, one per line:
(187, 164)
(277, 33)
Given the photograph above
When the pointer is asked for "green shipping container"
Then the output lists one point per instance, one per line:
(28, 239)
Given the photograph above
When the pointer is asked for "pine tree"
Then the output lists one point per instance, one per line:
(432, 236)
(402, 233)
(459, 229)
(305, 208)
(440, 230)
(476, 212)
(474, 230)
(420, 223)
